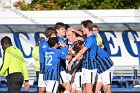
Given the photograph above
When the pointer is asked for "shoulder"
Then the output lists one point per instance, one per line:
(43, 42)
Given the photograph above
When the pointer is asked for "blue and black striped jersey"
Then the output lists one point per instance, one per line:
(103, 60)
(79, 69)
(62, 40)
(89, 59)
(52, 62)
(43, 46)
(62, 61)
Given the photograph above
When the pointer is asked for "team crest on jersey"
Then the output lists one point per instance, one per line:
(63, 52)
(44, 46)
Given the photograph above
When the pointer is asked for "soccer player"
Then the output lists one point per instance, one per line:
(105, 71)
(105, 66)
(76, 67)
(100, 41)
(13, 66)
(89, 58)
(52, 65)
(43, 46)
(62, 40)
(61, 32)
(35, 55)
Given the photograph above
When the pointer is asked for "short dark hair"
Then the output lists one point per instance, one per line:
(49, 31)
(59, 25)
(78, 46)
(88, 24)
(96, 26)
(7, 40)
(52, 41)
(67, 26)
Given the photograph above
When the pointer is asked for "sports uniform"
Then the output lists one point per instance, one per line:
(77, 78)
(52, 67)
(89, 59)
(42, 47)
(64, 76)
(105, 66)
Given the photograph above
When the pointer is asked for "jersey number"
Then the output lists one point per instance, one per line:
(48, 60)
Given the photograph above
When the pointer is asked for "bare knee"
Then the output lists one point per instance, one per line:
(107, 88)
(42, 90)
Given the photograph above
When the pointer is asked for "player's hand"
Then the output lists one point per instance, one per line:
(26, 86)
(73, 73)
(69, 65)
(70, 49)
(37, 58)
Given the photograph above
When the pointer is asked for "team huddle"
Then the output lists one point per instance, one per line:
(74, 61)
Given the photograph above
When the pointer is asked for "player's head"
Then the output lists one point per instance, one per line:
(78, 46)
(50, 32)
(95, 29)
(6, 42)
(87, 26)
(60, 29)
(70, 35)
(53, 42)
(67, 26)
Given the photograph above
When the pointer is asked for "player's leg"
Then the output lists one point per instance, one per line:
(66, 81)
(98, 84)
(89, 76)
(78, 82)
(51, 86)
(41, 84)
(107, 80)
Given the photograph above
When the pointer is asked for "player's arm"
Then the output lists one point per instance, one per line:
(76, 31)
(69, 56)
(26, 75)
(78, 38)
(42, 47)
(25, 71)
(79, 54)
(6, 61)
(63, 52)
(79, 61)
(35, 53)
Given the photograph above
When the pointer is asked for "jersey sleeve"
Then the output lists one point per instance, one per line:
(25, 71)
(42, 47)
(24, 67)
(88, 42)
(63, 52)
(65, 49)
(6, 61)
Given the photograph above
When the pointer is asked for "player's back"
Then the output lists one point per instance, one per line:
(103, 60)
(52, 63)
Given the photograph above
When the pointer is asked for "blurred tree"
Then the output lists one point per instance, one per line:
(80, 4)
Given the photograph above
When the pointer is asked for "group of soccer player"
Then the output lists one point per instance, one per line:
(74, 61)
